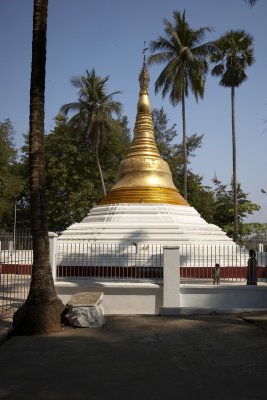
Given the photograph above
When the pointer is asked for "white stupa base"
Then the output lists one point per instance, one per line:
(162, 224)
(132, 235)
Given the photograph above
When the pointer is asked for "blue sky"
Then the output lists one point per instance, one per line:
(108, 35)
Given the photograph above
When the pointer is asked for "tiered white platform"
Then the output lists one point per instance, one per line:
(162, 224)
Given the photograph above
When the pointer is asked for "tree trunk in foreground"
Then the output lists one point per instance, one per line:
(234, 166)
(41, 312)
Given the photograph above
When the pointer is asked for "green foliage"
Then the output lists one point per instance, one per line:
(23, 198)
(113, 150)
(253, 234)
(94, 111)
(255, 230)
(72, 180)
(199, 196)
(11, 182)
(165, 135)
(223, 209)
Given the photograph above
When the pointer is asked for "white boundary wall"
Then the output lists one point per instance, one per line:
(138, 298)
(172, 297)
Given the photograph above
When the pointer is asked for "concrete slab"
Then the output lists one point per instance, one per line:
(140, 357)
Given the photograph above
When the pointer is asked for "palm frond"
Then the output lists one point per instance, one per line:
(160, 44)
(181, 49)
(233, 54)
(173, 35)
(76, 81)
(70, 107)
(159, 58)
(218, 70)
(94, 108)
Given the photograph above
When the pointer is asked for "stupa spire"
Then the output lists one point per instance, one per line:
(144, 140)
(143, 176)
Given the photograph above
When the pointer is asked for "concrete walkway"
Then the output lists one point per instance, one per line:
(141, 357)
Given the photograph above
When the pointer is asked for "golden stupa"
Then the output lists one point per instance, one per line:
(143, 176)
(143, 209)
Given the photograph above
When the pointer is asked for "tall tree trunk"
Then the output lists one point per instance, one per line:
(184, 147)
(99, 166)
(41, 313)
(234, 166)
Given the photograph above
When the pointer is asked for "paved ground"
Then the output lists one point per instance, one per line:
(141, 357)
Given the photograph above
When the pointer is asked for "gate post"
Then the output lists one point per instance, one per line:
(53, 251)
(171, 279)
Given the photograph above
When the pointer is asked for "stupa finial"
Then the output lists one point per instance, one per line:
(144, 75)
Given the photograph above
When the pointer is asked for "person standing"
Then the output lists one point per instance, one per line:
(252, 268)
(216, 274)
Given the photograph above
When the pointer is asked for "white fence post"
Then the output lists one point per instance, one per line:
(53, 251)
(171, 278)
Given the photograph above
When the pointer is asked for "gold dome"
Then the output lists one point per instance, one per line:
(143, 176)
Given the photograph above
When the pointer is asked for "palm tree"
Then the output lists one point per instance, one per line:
(234, 53)
(186, 59)
(94, 110)
(41, 312)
